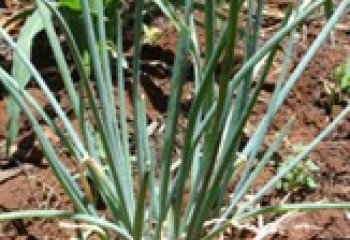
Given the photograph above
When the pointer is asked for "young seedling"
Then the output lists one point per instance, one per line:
(151, 34)
(339, 85)
(341, 76)
(302, 176)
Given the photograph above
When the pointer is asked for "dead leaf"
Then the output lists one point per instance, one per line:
(13, 172)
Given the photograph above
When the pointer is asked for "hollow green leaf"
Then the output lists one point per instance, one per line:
(25, 41)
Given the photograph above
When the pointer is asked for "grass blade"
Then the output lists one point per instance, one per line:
(300, 207)
(136, 98)
(51, 98)
(123, 113)
(59, 56)
(25, 40)
(177, 80)
(140, 210)
(61, 173)
(328, 8)
(239, 192)
(60, 214)
(293, 162)
(112, 141)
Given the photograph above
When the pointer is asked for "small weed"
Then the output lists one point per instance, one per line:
(302, 176)
(151, 34)
(339, 86)
(341, 76)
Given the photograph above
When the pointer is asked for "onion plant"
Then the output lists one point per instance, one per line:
(213, 154)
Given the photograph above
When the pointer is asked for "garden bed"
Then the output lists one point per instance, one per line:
(30, 183)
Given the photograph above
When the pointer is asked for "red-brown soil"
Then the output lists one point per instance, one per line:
(35, 187)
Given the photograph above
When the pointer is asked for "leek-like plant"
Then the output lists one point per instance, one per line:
(212, 155)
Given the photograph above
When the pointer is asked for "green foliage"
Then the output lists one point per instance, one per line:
(25, 41)
(339, 86)
(341, 76)
(151, 35)
(301, 176)
(72, 13)
(145, 199)
(75, 5)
